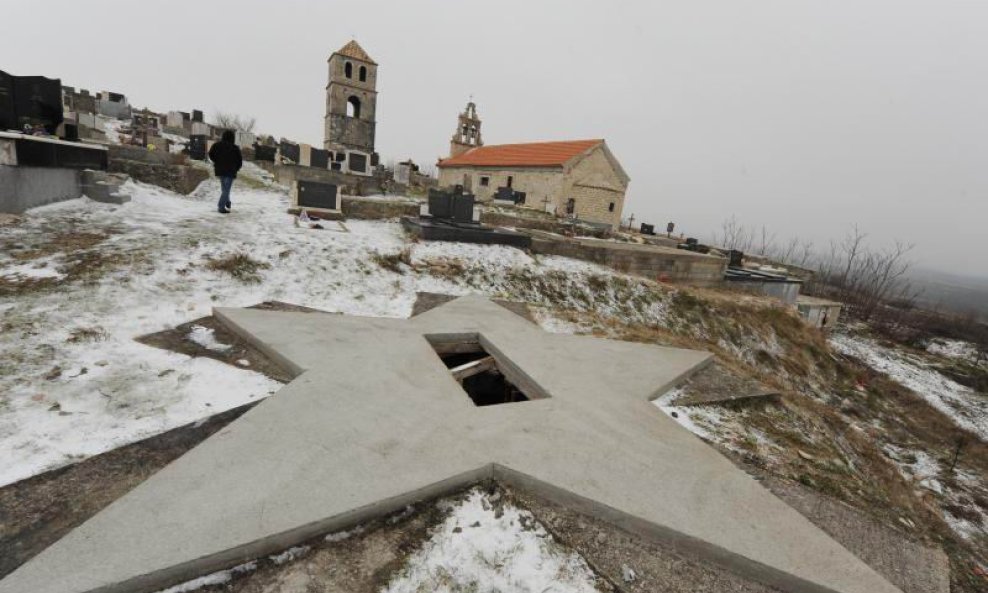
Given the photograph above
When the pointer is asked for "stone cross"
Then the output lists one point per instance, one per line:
(374, 421)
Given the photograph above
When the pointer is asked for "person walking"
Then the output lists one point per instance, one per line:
(227, 161)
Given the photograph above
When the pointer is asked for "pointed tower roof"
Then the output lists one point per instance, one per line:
(353, 50)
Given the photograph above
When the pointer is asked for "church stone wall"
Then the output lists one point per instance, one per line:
(536, 183)
(593, 199)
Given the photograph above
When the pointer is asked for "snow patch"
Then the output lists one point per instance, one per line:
(958, 349)
(30, 271)
(476, 550)
(206, 337)
(217, 578)
(290, 554)
(962, 405)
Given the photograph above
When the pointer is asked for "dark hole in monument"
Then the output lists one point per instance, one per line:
(478, 374)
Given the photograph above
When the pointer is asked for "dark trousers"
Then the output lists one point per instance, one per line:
(225, 184)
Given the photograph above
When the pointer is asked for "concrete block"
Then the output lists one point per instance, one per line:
(22, 188)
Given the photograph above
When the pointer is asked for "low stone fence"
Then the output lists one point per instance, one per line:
(180, 179)
(143, 155)
(558, 227)
(349, 184)
(650, 261)
(363, 208)
(156, 167)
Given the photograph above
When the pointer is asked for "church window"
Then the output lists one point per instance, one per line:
(363, 74)
(485, 181)
(353, 107)
(348, 70)
(611, 207)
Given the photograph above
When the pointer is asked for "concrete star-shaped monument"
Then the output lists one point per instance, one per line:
(375, 421)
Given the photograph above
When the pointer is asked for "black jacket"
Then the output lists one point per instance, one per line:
(226, 158)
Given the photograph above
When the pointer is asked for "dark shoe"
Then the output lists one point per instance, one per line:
(229, 206)
(224, 211)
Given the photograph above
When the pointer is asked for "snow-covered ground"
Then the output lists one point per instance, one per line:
(476, 549)
(958, 349)
(961, 404)
(74, 383)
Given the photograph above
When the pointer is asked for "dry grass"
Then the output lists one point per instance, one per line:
(239, 265)
(394, 262)
(60, 242)
(87, 334)
(835, 410)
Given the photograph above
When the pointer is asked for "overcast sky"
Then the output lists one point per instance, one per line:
(804, 116)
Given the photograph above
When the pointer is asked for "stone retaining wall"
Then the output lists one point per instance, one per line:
(549, 225)
(653, 262)
(180, 179)
(143, 155)
(354, 207)
(349, 184)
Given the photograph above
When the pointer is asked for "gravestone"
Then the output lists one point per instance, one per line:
(265, 153)
(403, 172)
(358, 162)
(319, 158)
(440, 204)
(289, 151)
(197, 147)
(305, 155)
(316, 198)
(30, 100)
(463, 208)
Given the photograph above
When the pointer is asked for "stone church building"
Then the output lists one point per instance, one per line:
(577, 178)
(351, 100)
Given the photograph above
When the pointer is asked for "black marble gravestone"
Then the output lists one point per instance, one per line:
(312, 194)
(319, 158)
(30, 100)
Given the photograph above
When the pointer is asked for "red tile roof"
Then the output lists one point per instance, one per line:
(532, 154)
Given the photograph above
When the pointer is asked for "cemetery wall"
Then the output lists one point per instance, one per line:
(182, 179)
(28, 187)
(655, 263)
(138, 153)
(548, 225)
(349, 184)
(378, 209)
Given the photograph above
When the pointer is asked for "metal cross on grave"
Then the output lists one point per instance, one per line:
(382, 414)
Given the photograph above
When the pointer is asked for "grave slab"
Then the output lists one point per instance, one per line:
(374, 421)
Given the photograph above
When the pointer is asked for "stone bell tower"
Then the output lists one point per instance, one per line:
(351, 100)
(467, 134)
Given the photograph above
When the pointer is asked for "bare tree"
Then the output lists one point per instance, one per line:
(232, 121)
(766, 242)
(733, 235)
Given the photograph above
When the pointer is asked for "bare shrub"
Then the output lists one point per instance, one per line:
(239, 265)
(393, 261)
(232, 121)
